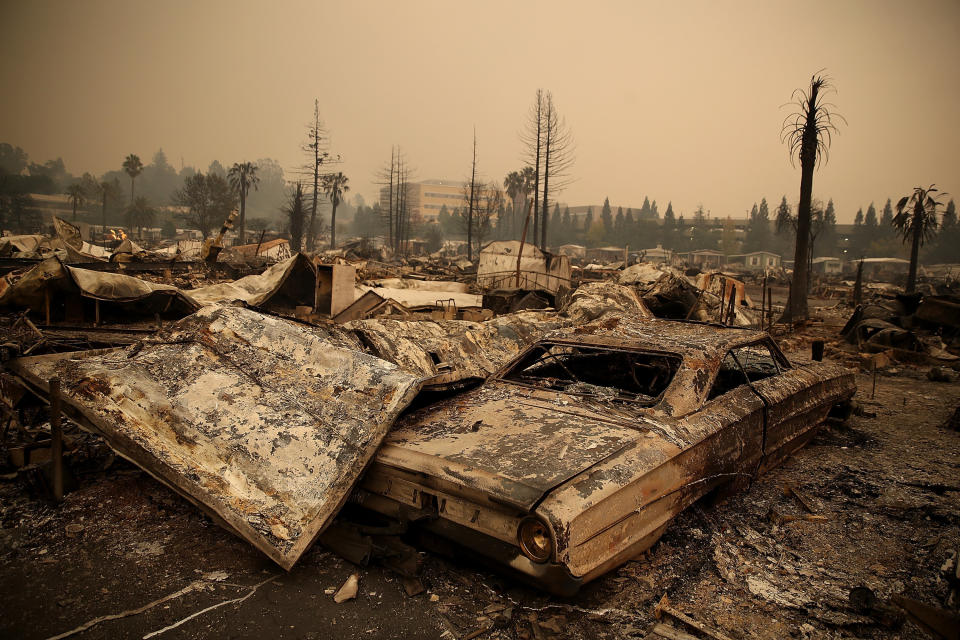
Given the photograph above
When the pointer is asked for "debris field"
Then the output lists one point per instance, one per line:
(330, 446)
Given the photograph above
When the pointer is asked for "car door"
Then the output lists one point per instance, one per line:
(792, 410)
(728, 428)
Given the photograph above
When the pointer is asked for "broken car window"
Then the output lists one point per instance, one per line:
(602, 372)
(757, 361)
(729, 377)
(743, 365)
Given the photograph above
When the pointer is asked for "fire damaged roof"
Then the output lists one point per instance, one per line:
(264, 423)
(683, 338)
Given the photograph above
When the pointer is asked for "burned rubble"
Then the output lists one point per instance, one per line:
(562, 432)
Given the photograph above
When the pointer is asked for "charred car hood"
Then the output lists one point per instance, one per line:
(512, 442)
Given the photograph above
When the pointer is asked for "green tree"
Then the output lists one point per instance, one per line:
(807, 133)
(77, 197)
(243, 176)
(619, 227)
(107, 192)
(606, 217)
(567, 226)
(758, 228)
(334, 186)
(669, 227)
(553, 230)
(208, 199)
(216, 169)
(646, 211)
(948, 238)
(916, 220)
(296, 217)
(133, 168)
(886, 220)
(701, 237)
(827, 246)
(13, 160)
(518, 185)
(140, 214)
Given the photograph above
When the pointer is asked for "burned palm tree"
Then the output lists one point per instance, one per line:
(916, 220)
(808, 133)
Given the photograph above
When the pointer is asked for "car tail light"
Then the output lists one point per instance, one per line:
(534, 538)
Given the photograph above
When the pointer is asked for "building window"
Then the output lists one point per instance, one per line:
(754, 261)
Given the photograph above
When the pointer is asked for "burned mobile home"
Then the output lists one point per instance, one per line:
(557, 443)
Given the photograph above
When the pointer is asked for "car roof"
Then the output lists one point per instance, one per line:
(677, 336)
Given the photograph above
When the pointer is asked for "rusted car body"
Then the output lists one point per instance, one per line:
(574, 457)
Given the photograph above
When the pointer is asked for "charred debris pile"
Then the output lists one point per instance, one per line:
(259, 390)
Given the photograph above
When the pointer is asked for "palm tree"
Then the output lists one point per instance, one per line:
(808, 134)
(243, 175)
(140, 215)
(77, 197)
(296, 214)
(334, 185)
(916, 219)
(518, 185)
(133, 167)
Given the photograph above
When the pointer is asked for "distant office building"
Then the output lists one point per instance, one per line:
(427, 198)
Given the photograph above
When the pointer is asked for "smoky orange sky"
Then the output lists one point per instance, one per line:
(678, 101)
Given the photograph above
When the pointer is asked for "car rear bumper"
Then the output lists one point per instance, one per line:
(549, 576)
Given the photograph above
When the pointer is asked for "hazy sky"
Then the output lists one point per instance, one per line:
(677, 101)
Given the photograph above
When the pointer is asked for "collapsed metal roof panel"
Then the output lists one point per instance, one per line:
(265, 423)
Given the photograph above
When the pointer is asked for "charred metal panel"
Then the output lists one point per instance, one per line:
(594, 299)
(265, 423)
(464, 349)
(512, 442)
(800, 399)
(622, 501)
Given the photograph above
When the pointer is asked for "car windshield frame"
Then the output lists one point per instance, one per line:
(621, 395)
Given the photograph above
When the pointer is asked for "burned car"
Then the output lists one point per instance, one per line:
(575, 456)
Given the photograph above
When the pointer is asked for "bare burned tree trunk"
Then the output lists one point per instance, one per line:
(390, 202)
(471, 198)
(915, 248)
(534, 140)
(808, 134)
(797, 308)
(547, 139)
(314, 148)
(550, 147)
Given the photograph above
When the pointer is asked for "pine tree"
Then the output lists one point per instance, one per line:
(567, 226)
(587, 223)
(619, 227)
(645, 212)
(786, 231)
(554, 231)
(886, 220)
(606, 216)
(947, 249)
(827, 242)
(857, 245)
(669, 228)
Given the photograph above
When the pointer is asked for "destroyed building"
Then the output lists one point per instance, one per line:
(554, 442)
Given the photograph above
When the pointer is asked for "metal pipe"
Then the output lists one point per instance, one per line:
(56, 440)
